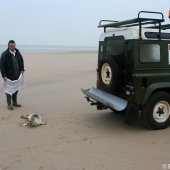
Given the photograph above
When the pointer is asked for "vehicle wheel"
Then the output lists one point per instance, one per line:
(156, 113)
(108, 74)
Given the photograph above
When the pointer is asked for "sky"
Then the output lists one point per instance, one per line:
(66, 22)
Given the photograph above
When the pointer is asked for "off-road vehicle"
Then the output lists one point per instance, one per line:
(133, 72)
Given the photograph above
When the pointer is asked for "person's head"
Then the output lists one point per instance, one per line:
(11, 45)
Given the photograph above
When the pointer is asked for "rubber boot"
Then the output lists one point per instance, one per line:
(8, 96)
(14, 100)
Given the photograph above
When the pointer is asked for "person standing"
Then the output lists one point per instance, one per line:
(11, 66)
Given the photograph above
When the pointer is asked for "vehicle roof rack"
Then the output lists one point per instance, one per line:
(139, 21)
(163, 27)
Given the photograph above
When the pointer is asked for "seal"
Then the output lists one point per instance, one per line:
(33, 120)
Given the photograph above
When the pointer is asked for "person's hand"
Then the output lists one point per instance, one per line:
(5, 78)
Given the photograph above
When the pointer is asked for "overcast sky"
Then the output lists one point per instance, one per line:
(66, 22)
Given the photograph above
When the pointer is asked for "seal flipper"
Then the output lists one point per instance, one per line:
(25, 124)
(24, 116)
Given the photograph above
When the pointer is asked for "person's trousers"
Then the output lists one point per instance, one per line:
(12, 99)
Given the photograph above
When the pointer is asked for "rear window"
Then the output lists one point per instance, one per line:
(150, 53)
(115, 45)
(101, 51)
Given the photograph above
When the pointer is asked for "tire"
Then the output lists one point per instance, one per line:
(156, 113)
(108, 74)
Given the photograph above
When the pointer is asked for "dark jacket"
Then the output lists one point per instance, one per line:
(6, 64)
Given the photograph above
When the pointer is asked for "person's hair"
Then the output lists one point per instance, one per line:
(11, 41)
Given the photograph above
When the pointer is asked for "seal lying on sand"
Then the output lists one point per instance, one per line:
(33, 120)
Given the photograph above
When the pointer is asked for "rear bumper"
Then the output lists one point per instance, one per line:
(106, 99)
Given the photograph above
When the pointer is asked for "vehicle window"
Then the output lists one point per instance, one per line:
(149, 53)
(114, 47)
(100, 51)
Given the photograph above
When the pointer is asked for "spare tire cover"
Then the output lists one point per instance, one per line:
(108, 74)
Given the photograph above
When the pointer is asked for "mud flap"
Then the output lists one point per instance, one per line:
(132, 113)
(108, 100)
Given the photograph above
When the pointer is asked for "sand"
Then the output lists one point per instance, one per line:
(77, 136)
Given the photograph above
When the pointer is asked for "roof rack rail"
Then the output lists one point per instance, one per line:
(163, 27)
(139, 21)
(107, 21)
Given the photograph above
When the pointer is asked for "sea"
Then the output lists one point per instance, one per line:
(47, 48)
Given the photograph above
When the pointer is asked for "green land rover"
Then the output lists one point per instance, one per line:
(133, 71)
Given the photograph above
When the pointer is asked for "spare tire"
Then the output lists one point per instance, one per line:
(108, 74)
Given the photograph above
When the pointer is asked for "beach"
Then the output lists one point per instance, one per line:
(77, 136)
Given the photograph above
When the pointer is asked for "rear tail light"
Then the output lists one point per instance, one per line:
(130, 90)
(97, 79)
(133, 93)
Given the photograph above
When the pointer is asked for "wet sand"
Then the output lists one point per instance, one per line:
(77, 136)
